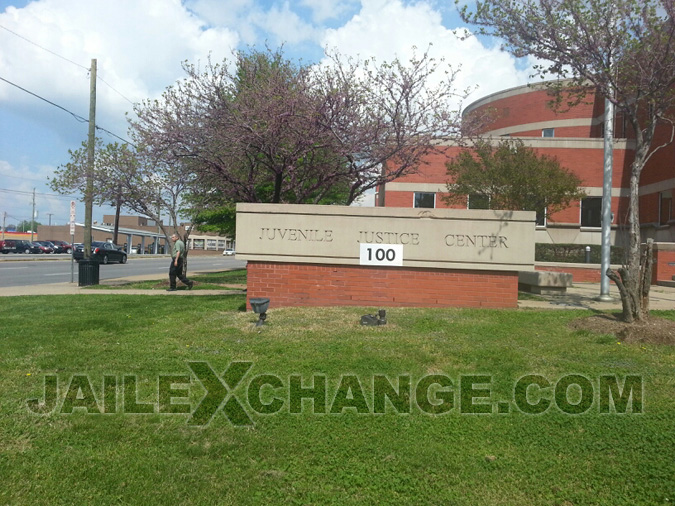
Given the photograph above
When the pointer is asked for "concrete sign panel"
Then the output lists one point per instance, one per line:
(433, 238)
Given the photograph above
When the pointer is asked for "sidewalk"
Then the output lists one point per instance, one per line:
(583, 295)
(579, 296)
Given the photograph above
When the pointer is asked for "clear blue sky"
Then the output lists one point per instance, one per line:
(47, 45)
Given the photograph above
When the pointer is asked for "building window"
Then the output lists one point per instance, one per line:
(541, 218)
(548, 132)
(665, 207)
(424, 199)
(591, 212)
(478, 201)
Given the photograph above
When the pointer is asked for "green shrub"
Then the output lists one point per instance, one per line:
(574, 253)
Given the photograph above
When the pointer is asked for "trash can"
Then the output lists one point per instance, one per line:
(87, 273)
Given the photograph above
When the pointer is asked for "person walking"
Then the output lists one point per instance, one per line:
(176, 268)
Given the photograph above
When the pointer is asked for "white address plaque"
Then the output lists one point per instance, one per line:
(381, 254)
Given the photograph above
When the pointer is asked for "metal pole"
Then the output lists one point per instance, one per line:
(607, 202)
(32, 221)
(72, 258)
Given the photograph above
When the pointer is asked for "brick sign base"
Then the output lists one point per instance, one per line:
(302, 284)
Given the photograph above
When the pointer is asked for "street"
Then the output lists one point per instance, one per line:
(24, 272)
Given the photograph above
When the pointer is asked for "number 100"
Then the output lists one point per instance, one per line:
(381, 254)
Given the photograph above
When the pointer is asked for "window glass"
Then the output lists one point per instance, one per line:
(665, 207)
(541, 218)
(424, 199)
(591, 212)
(548, 132)
(478, 201)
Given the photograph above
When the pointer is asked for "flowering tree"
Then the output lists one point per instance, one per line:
(261, 128)
(129, 178)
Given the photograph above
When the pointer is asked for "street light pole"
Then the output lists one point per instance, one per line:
(607, 202)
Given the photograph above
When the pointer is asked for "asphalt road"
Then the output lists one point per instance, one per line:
(25, 271)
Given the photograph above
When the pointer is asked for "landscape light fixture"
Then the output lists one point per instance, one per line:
(375, 320)
(259, 306)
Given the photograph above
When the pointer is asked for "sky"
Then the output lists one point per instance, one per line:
(46, 48)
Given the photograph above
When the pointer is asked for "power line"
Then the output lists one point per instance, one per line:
(54, 195)
(44, 48)
(76, 116)
(109, 86)
(66, 59)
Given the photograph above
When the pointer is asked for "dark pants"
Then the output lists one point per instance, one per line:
(176, 271)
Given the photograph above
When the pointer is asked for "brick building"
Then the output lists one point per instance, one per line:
(575, 138)
(135, 232)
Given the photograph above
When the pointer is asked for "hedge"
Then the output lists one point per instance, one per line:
(574, 253)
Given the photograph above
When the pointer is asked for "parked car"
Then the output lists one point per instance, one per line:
(103, 252)
(228, 252)
(18, 246)
(44, 246)
(62, 247)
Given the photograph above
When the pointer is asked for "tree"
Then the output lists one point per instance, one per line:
(264, 129)
(71, 177)
(512, 176)
(151, 187)
(130, 178)
(624, 49)
(27, 226)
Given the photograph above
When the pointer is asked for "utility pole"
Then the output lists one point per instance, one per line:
(4, 220)
(89, 189)
(32, 220)
(50, 218)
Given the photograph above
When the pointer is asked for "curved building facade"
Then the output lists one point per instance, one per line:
(575, 137)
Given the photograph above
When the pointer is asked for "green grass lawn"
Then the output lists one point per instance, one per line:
(306, 458)
(223, 280)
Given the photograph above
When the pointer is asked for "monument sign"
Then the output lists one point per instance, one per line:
(376, 244)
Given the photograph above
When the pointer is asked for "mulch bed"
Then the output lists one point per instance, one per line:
(653, 331)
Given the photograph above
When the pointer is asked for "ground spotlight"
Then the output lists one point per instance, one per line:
(259, 306)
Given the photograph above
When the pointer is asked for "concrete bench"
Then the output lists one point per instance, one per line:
(544, 282)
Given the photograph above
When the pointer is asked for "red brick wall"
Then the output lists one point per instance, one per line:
(532, 107)
(290, 284)
(590, 274)
(561, 132)
(586, 163)
(398, 199)
(649, 208)
(662, 271)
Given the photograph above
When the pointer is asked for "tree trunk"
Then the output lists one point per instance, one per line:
(185, 258)
(278, 182)
(634, 279)
(634, 289)
(117, 218)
